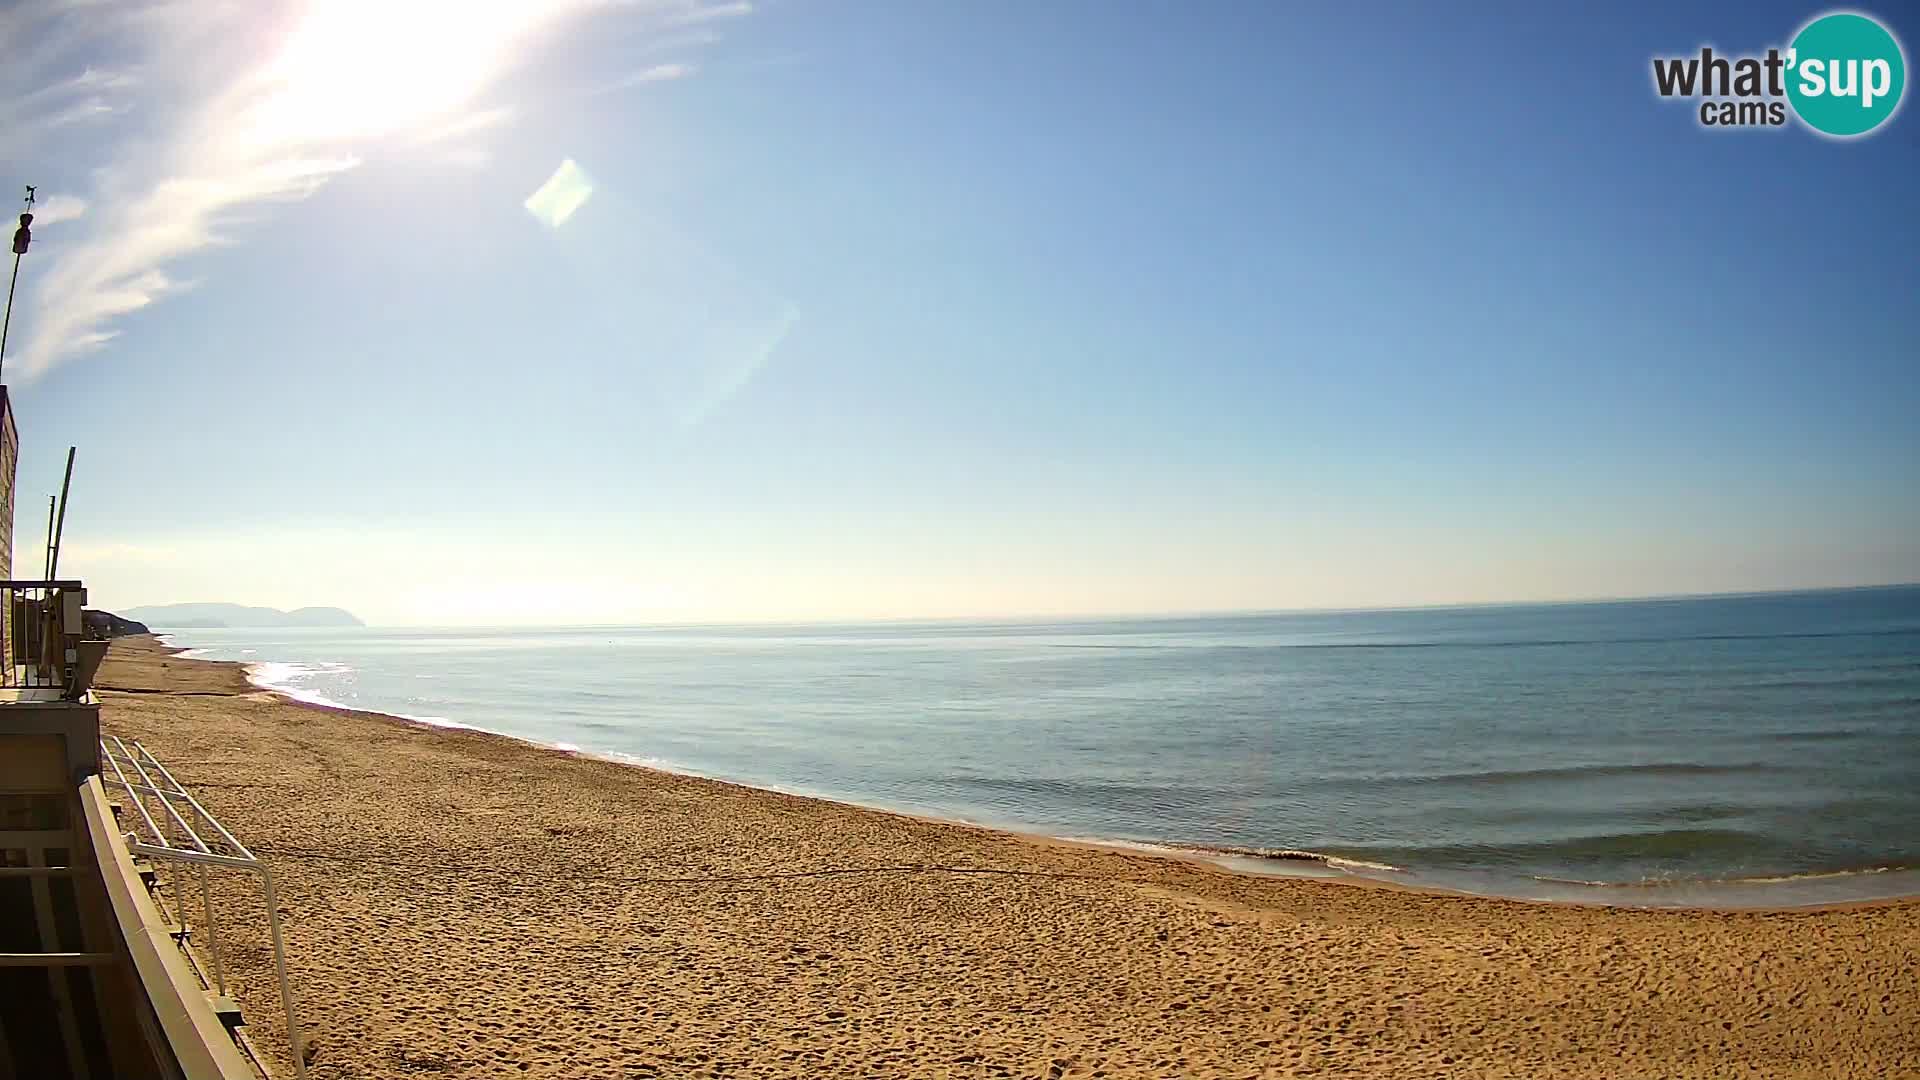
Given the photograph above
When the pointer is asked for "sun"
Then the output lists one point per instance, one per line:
(358, 68)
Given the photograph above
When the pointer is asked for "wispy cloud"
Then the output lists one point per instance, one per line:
(92, 108)
(467, 157)
(699, 13)
(57, 208)
(654, 74)
(89, 81)
(186, 116)
(678, 42)
(471, 123)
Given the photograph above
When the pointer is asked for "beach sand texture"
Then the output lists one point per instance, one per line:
(464, 905)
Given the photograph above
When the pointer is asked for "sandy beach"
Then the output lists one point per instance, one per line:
(465, 905)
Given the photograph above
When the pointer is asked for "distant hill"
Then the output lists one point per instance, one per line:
(184, 616)
(105, 624)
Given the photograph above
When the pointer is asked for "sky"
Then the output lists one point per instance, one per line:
(595, 311)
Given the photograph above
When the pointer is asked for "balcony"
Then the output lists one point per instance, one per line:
(98, 979)
(43, 645)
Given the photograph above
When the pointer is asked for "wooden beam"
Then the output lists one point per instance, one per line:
(6, 1055)
(36, 838)
(57, 976)
(54, 959)
(36, 871)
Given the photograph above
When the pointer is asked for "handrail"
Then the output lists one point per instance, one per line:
(116, 754)
(194, 1034)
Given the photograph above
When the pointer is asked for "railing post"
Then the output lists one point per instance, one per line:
(280, 970)
(213, 935)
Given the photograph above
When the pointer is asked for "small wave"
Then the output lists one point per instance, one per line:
(433, 721)
(1814, 735)
(642, 761)
(1863, 681)
(1564, 772)
(282, 677)
(1295, 855)
(1815, 875)
(1579, 850)
(1543, 643)
(1088, 790)
(279, 677)
(1670, 882)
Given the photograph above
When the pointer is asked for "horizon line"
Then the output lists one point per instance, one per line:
(1039, 618)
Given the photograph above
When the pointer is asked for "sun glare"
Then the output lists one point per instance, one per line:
(356, 68)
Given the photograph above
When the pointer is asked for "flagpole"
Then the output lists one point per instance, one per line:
(21, 238)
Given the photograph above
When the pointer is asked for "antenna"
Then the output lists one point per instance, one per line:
(46, 564)
(53, 562)
(22, 237)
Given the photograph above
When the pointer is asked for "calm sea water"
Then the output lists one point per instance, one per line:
(1649, 749)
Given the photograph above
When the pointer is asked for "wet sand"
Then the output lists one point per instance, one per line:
(465, 905)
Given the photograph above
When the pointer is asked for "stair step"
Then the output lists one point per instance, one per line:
(227, 1009)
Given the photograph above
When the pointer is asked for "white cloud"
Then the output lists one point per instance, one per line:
(468, 157)
(654, 74)
(686, 39)
(51, 210)
(82, 111)
(470, 124)
(453, 140)
(240, 104)
(89, 81)
(699, 13)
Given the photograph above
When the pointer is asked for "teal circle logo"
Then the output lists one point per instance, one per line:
(1845, 74)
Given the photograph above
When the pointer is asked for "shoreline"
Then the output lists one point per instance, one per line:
(1193, 855)
(469, 904)
(1709, 894)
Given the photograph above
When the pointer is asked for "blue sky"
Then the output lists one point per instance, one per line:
(903, 310)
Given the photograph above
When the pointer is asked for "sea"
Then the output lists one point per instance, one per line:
(1732, 751)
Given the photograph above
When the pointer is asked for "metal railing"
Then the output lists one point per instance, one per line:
(39, 641)
(172, 837)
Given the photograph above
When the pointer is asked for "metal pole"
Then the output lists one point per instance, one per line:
(53, 565)
(165, 803)
(139, 803)
(280, 969)
(46, 564)
(8, 323)
(213, 935)
(181, 790)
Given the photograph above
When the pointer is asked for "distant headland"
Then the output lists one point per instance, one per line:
(189, 616)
